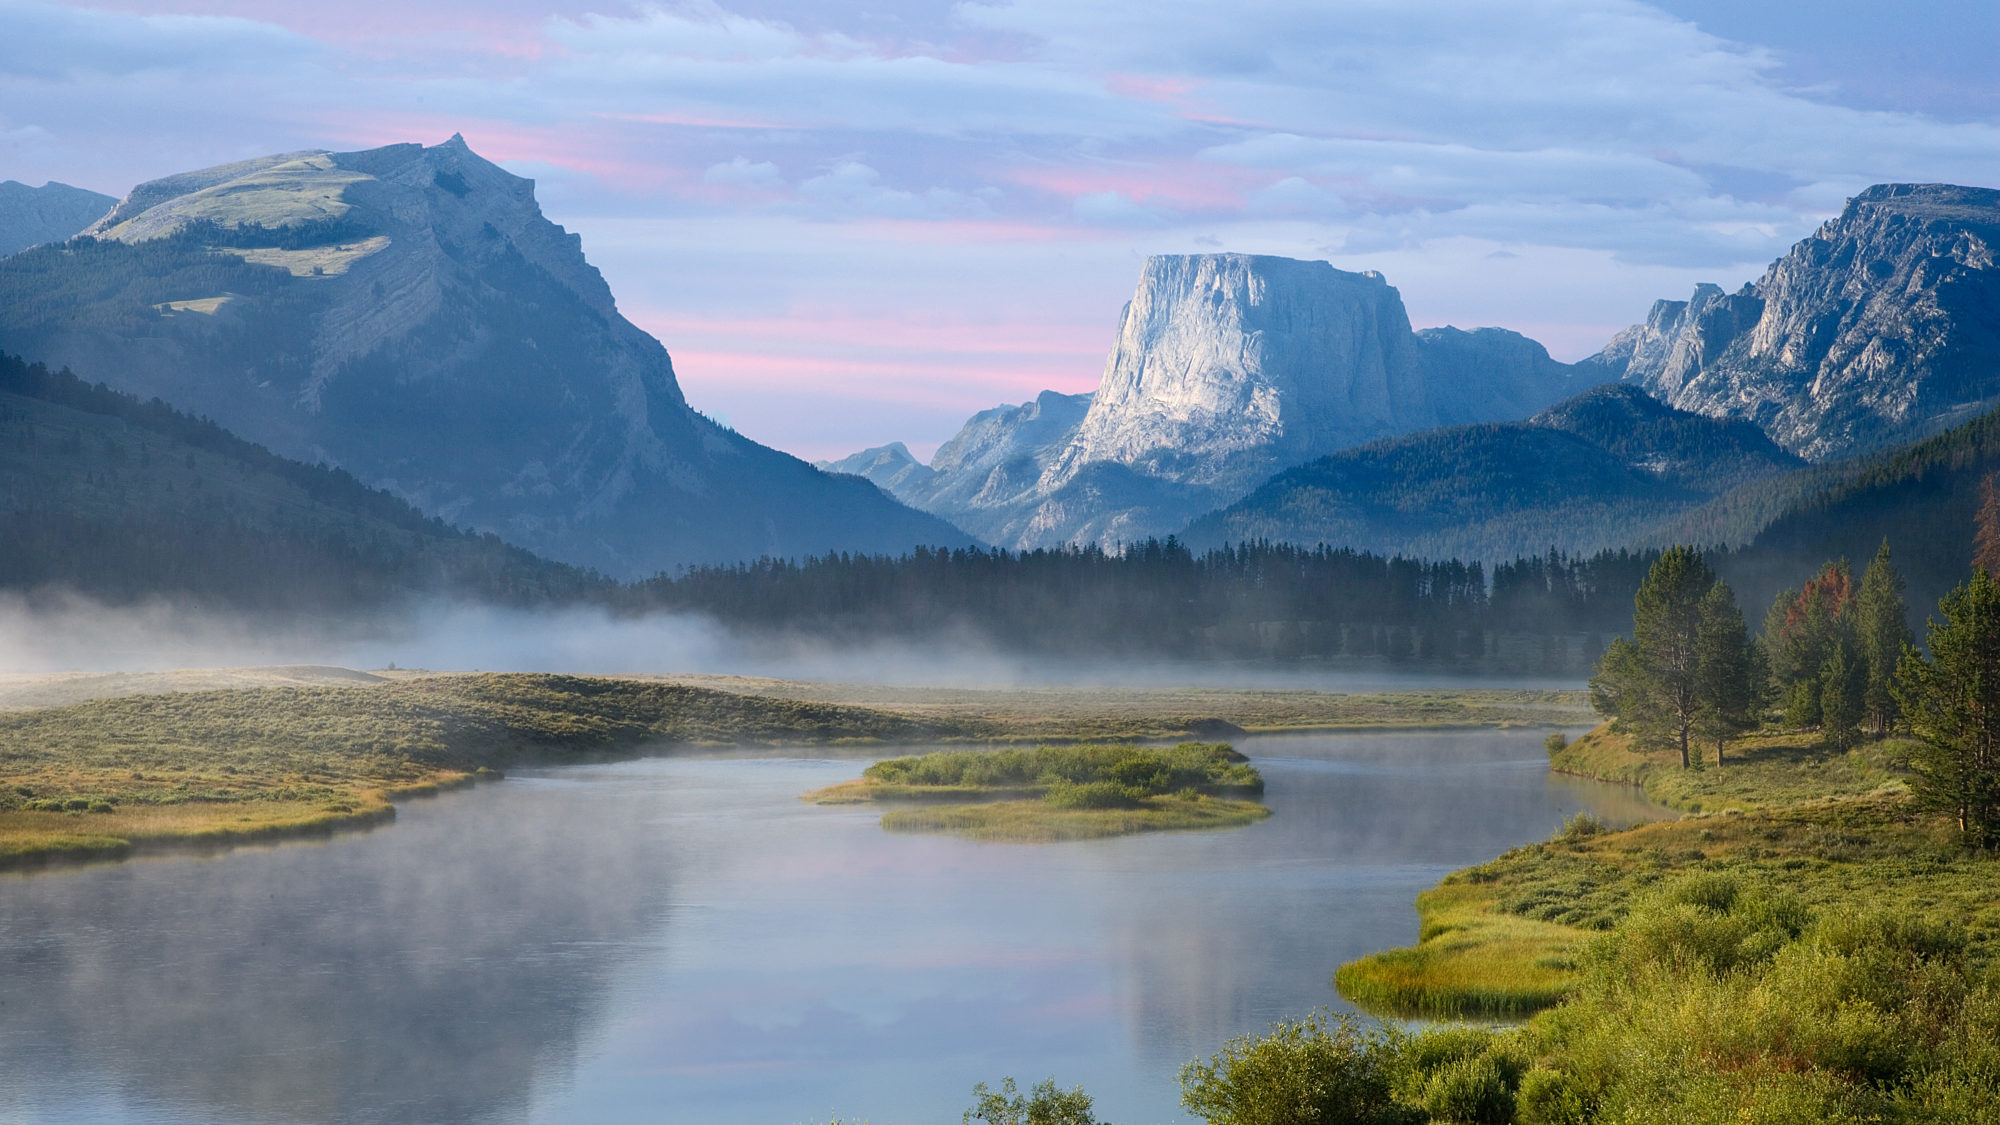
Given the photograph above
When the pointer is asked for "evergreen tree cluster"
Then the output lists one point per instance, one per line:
(1160, 599)
(1833, 650)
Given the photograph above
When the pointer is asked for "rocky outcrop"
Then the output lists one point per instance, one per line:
(1882, 327)
(408, 313)
(1226, 368)
(50, 213)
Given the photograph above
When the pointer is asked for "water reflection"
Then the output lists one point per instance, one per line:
(682, 940)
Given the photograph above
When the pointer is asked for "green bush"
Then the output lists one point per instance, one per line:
(1320, 1070)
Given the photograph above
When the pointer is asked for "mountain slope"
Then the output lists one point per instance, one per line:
(1882, 327)
(1589, 473)
(122, 500)
(50, 213)
(408, 314)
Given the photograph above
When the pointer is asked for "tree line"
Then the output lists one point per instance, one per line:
(1255, 600)
(1832, 656)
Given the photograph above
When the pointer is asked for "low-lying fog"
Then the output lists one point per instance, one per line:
(76, 635)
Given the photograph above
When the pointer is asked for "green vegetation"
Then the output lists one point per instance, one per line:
(1056, 793)
(105, 778)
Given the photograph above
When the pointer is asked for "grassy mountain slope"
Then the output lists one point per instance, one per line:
(120, 499)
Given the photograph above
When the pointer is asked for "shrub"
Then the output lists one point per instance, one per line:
(1320, 1070)
(1044, 1105)
(1555, 743)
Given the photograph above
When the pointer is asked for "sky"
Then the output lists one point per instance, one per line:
(859, 221)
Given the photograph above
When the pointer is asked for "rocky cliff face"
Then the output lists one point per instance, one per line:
(1882, 327)
(50, 213)
(407, 313)
(1227, 368)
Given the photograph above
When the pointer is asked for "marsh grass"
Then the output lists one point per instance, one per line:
(105, 778)
(1053, 793)
(1037, 822)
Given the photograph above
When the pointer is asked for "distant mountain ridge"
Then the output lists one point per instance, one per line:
(1881, 328)
(1226, 368)
(1590, 473)
(407, 313)
(50, 213)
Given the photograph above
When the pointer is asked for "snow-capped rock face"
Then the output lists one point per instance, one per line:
(408, 313)
(1882, 327)
(1226, 363)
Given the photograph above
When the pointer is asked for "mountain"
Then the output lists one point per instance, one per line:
(1882, 327)
(123, 500)
(408, 314)
(1590, 473)
(1226, 368)
(890, 467)
(50, 213)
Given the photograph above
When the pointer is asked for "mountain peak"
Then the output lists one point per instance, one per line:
(1876, 329)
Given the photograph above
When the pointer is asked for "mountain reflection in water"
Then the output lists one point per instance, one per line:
(681, 939)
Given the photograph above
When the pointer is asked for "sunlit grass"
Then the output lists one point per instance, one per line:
(1473, 960)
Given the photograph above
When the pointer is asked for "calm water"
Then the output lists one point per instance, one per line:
(681, 940)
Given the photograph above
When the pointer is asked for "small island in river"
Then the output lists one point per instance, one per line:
(1053, 793)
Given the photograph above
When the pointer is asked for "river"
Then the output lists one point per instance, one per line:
(679, 939)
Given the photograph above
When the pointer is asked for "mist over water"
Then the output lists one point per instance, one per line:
(77, 635)
(681, 939)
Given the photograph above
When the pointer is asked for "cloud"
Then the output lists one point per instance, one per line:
(741, 172)
(1116, 209)
(51, 42)
(853, 188)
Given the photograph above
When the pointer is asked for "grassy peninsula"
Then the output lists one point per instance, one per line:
(1053, 793)
(110, 777)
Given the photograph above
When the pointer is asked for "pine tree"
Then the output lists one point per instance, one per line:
(1801, 632)
(1882, 632)
(1986, 527)
(1730, 673)
(1840, 693)
(1952, 702)
(1654, 681)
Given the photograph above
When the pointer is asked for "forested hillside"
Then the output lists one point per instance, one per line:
(120, 499)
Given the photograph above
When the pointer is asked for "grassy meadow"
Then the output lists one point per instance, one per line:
(1835, 828)
(108, 777)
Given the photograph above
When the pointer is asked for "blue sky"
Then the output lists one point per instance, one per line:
(854, 222)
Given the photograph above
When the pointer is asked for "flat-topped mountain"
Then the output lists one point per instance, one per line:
(408, 314)
(1882, 327)
(1596, 471)
(50, 213)
(1226, 368)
